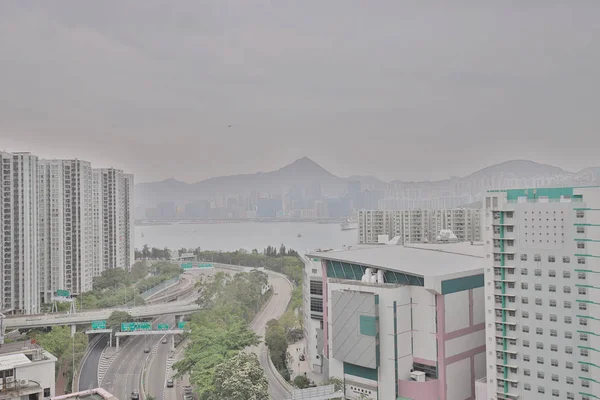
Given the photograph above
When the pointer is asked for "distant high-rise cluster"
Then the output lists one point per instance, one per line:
(62, 222)
(418, 226)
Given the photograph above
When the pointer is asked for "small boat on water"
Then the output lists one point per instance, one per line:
(349, 225)
(299, 235)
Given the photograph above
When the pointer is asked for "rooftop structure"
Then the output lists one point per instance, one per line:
(92, 394)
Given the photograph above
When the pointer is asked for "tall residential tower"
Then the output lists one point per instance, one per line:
(542, 283)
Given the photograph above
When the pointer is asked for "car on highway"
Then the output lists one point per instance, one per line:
(302, 357)
(170, 382)
(135, 395)
(147, 350)
(164, 340)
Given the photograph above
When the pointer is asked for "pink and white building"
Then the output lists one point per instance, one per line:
(402, 322)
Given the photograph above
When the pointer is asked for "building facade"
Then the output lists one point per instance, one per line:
(26, 372)
(6, 232)
(418, 226)
(542, 293)
(313, 312)
(65, 239)
(399, 321)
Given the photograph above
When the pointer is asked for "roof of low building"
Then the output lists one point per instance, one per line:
(420, 259)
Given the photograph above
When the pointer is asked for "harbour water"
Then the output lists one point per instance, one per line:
(245, 235)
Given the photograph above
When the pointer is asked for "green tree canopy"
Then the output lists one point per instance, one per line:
(139, 270)
(112, 278)
(240, 378)
(301, 382)
(116, 319)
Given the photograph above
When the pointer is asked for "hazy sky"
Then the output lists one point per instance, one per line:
(398, 89)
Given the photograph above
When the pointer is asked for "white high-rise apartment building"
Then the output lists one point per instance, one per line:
(115, 207)
(418, 226)
(7, 300)
(26, 293)
(542, 284)
(65, 226)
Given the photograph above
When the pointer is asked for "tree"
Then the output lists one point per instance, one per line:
(111, 278)
(337, 383)
(139, 270)
(145, 252)
(116, 319)
(301, 382)
(240, 378)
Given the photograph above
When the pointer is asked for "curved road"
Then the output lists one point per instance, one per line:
(88, 378)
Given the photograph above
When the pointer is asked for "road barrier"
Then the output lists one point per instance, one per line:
(160, 287)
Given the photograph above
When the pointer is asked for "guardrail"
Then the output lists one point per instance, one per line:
(285, 384)
(159, 287)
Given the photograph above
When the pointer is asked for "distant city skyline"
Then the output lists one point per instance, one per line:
(397, 90)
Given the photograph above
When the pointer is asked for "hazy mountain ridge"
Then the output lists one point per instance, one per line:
(304, 173)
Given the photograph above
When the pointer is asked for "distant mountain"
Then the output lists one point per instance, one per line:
(307, 175)
(302, 173)
(520, 168)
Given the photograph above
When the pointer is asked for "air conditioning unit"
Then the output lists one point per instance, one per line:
(23, 382)
(9, 381)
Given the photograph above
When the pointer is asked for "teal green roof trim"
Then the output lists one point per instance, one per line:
(551, 193)
(361, 372)
(461, 284)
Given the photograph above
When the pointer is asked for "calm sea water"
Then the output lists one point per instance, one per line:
(250, 235)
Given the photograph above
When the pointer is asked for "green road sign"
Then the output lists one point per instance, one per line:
(136, 326)
(205, 265)
(186, 265)
(63, 293)
(181, 325)
(98, 325)
(162, 327)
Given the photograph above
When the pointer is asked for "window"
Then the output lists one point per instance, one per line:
(537, 257)
(582, 321)
(539, 316)
(523, 257)
(525, 329)
(523, 271)
(569, 365)
(524, 285)
(568, 335)
(555, 393)
(581, 275)
(580, 245)
(554, 362)
(526, 357)
(567, 304)
(569, 380)
(585, 368)
(540, 360)
(554, 378)
(566, 274)
(46, 392)
(541, 389)
(567, 289)
(582, 290)
(585, 383)
(526, 372)
(539, 346)
(527, 386)
(580, 260)
(539, 331)
(552, 288)
(525, 314)
(553, 318)
(568, 320)
(580, 229)
(538, 301)
(537, 272)
(525, 343)
(538, 287)
(552, 303)
(540, 374)
(553, 332)
(570, 396)
(566, 260)
(524, 300)
(584, 352)
(579, 214)
(553, 347)
(551, 259)
(569, 350)
(583, 306)
(551, 273)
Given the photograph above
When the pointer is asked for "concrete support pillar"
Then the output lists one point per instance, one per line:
(73, 330)
(172, 342)
(117, 337)
(178, 319)
(110, 340)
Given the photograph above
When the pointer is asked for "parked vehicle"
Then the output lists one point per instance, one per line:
(170, 382)
(147, 350)
(135, 395)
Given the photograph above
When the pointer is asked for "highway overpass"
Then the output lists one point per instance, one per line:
(41, 321)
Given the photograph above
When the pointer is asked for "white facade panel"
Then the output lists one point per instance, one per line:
(458, 378)
(478, 306)
(457, 311)
(464, 343)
